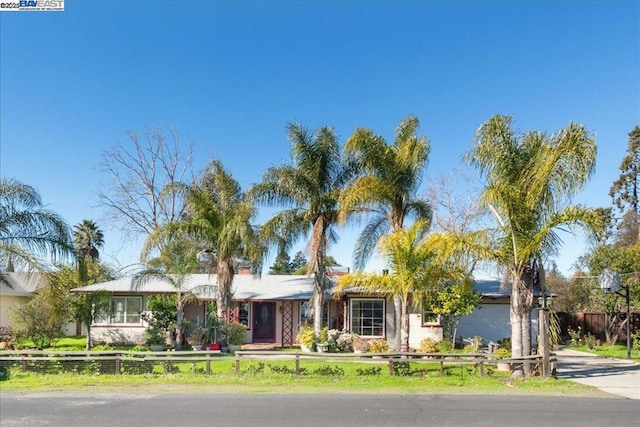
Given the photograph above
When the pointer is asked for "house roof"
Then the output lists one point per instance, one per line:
(20, 284)
(245, 287)
(492, 288)
(248, 287)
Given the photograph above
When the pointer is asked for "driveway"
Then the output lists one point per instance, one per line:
(615, 376)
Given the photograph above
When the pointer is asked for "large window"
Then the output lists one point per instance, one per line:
(124, 311)
(243, 314)
(367, 317)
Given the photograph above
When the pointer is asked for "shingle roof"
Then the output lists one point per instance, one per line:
(20, 284)
(245, 287)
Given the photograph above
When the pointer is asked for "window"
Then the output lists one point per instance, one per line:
(306, 313)
(243, 314)
(124, 310)
(429, 318)
(367, 317)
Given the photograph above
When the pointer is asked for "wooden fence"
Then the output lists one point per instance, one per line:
(593, 323)
(134, 362)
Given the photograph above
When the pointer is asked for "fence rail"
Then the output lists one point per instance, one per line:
(136, 362)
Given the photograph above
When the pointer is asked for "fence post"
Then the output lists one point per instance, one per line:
(297, 364)
(481, 366)
(208, 364)
(442, 367)
(391, 366)
(24, 362)
(118, 363)
(237, 364)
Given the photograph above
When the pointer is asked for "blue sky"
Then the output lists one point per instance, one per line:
(230, 75)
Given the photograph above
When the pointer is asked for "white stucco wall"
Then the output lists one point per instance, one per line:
(8, 303)
(118, 335)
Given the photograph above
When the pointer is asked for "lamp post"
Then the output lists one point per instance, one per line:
(610, 282)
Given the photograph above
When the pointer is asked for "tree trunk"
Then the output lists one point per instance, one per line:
(317, 310)
(397, 308)
(404, 347)
(179, 324)
(88, 346)
(225, 279)
(515, 317)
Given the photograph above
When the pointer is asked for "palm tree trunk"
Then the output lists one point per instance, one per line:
(404, 346)
(515, 317)
(397, 308)
(179, 323)
(225, 278)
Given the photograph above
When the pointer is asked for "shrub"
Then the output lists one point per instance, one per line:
(379, 346)
(444, 346)
(428, 345)
(360, 344)
(636, 340)
(501, 353)
(234, 333)
(306, 336)
(345, 341)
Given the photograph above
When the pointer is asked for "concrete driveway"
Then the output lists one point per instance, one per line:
(615, 376)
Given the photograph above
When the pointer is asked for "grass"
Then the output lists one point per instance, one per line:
(277, 376)
(617, 351)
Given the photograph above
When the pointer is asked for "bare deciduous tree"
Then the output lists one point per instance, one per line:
(140, 195)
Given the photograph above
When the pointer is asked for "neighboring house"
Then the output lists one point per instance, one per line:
(15, 290)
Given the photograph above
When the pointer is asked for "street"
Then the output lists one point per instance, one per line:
(212, 409)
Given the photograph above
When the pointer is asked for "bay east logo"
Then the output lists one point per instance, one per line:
(32, 5)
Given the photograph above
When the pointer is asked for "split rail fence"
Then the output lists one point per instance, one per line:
(136, 362)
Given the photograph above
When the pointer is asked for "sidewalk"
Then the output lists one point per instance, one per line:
(616, 376)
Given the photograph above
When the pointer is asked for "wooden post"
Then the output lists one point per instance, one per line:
(208, 364)
(297, 365)
(481, 366)
(118, 363)
(237, 364)
(543, 340)
(390, 366)
(441, 368)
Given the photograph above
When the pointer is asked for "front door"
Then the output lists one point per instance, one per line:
(264, 321)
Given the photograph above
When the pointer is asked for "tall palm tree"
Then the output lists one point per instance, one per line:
(218, 220)
(385, 190)
(27, 230)
(88, 238)
(418, 265)
(308, 189)
(530, 179)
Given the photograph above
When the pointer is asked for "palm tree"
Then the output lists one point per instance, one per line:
(530, 179)
(27, 230)
(418, 264)
(218, 219)
(88, 238)
(176, 276)
(308, 189)
(385, 189)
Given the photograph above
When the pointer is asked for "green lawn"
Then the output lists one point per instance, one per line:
(618, 351)
(277, 376)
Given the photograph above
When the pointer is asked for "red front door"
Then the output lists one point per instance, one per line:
(264, 321)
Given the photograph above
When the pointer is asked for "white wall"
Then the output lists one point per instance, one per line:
(417, 332)
(491, 322)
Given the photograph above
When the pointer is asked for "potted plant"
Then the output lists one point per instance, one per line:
(502, 353)
(306, 337)
(234, 333)
(155, 339)
(322, 344)
(196, 340)
(359, 344)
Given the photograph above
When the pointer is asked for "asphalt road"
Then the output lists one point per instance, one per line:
(210, 409)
